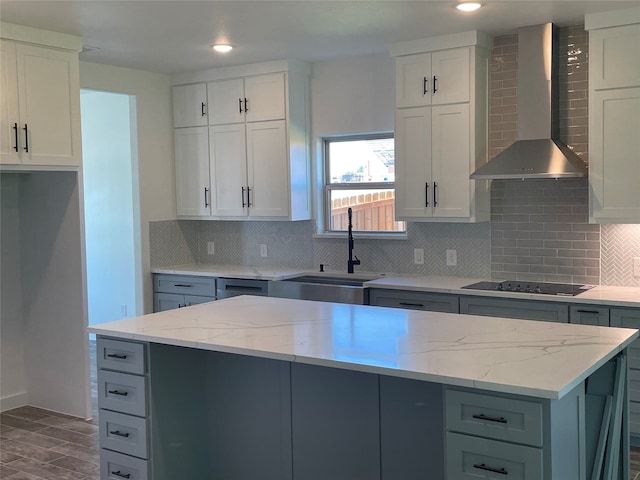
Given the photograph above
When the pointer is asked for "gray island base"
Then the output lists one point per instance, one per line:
(265, 388)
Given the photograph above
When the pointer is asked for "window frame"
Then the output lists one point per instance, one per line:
(328, 187)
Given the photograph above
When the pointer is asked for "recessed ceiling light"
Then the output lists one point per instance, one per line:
(222, 48)
(468, 6)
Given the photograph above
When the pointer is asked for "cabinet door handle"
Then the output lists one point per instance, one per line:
(15, 130)
(118, 392)
(248, 196)
(117, 356)
(26, 138)
(588, 311)
(482, 466)
(424, 86)
(243, 204)
(206, 203)
(203, 110)
(119, 433)
(245, 106)
(426, 194)
(118, 473)
(409, 304)
(435, 194)
(435, 79)
(240, 105)
(482, 416)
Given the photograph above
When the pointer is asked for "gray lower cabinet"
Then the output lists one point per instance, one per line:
(177, 291)
(589, 315)
(124, 407)
(335, 415)
(509, 308)
(232, 287)
(435, 302)
(494, 436)
(630, 318)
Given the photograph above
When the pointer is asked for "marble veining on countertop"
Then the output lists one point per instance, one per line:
(539, 359)
(230, 271)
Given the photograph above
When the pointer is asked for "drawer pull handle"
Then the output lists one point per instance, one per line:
(117, 356)
(121, 475)
(589, 311)
(119, 433)
(247, 288)
(482, 466)
(118, 392)
(409, 304)
(183, 285)
(482, 416)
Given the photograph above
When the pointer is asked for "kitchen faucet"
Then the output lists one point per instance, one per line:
(351, 261)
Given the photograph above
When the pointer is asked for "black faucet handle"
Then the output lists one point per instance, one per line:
(356, 261)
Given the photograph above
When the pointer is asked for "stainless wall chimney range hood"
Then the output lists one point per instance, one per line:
(537, 152)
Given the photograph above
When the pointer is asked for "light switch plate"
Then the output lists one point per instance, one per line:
(211, 248)
(418, 256)
(636, 266)
(452, 258)
(263, 250)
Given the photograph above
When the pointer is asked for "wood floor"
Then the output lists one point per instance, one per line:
(37, 444)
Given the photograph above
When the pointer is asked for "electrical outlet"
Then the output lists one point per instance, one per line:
(263, 250)
(211, 249)
(452, 258)
(418, 256)
(123, 310)
(636, 267)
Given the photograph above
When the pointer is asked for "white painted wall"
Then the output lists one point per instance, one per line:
(156, 170)
(108, 204)
(353, 95)
(53, 292)
(13, 383)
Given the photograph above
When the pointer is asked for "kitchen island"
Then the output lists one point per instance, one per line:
(255, 387)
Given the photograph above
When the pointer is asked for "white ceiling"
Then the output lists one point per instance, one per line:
(174, 36)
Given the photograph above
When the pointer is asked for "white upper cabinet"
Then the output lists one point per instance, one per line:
(432, 79)
(614, 117)
(190, 105)
(441, 128)
(252, 99)
(40, 102)
(193, 189)
(614, 57)
(258, 164)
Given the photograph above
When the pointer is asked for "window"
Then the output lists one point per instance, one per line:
(359, 174)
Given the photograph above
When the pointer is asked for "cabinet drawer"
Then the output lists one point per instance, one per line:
(185, 284)
(122, 392)
(633, 355)
(122, 356)
(589, 315)
(232, 287)
(123, 433)
(634, 385)
(521, 309)
(433, 302)
(472, 458)
(116, 466)
(494, 417)
(634, 418)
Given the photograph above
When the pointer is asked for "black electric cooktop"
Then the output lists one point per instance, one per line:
(563, 289)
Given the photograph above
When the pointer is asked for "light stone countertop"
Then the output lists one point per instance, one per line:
(539, 359)
(599, 295)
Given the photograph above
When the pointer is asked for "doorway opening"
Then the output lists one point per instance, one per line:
(111, 205)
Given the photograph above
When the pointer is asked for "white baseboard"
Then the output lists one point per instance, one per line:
(13, 401)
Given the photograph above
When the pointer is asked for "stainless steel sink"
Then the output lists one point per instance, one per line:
(322, 288)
